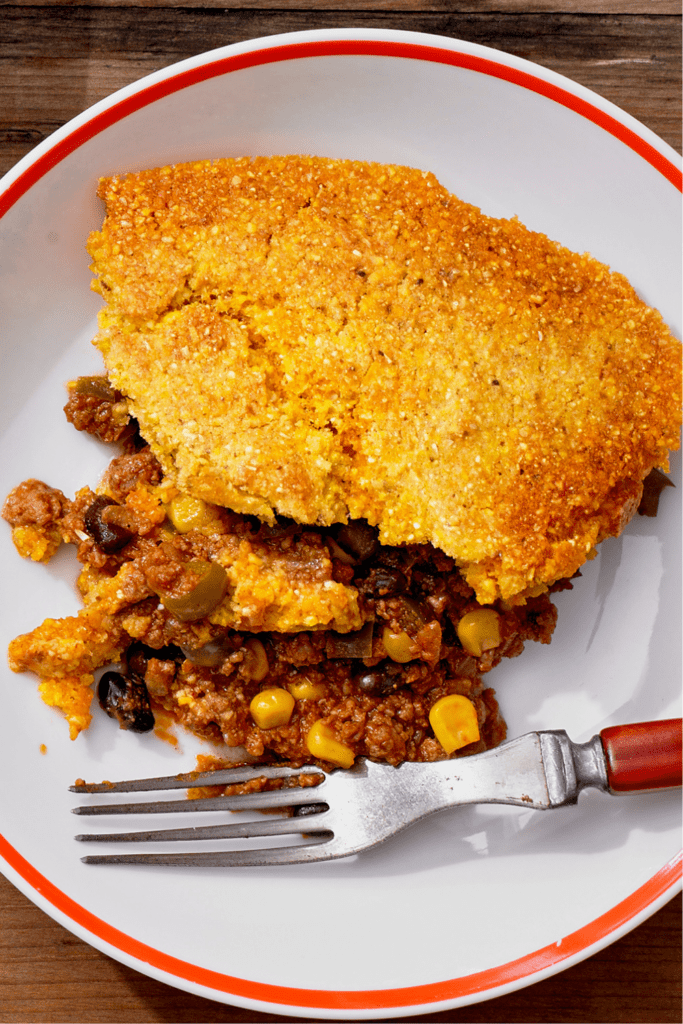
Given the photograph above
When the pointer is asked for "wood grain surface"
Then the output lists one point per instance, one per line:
(56, 59)
(48, 975)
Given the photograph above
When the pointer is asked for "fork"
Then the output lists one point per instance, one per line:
(341, 812)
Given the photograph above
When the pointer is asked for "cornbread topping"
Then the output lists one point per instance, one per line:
(328, 339)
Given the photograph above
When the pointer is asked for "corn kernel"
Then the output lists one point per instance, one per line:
(322, 744)
(399, 646)
(187, 513)
(479, 631)
(454, 721)
(272, 708)
(306, 689)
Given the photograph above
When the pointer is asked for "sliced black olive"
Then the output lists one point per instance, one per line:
(125, 698)
(109, 537)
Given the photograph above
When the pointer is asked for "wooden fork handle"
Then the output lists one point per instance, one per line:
(646, 755)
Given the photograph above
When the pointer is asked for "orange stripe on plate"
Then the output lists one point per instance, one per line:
(327, 48)
(415, 995)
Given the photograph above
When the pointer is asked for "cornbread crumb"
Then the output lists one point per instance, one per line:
(330, 339)
(39, 543)
(73, 696)
(72, 646)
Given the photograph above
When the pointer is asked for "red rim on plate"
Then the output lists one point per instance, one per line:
(334, 48)
(475, 985)
(378, 999)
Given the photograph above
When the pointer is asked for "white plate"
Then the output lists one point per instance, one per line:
(475, 902)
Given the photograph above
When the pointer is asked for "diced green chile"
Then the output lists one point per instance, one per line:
(98, 387)
(207, 593)
(108, 537)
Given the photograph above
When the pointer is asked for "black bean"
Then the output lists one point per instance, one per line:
(108, 537)
(126, 699)
(379, 681)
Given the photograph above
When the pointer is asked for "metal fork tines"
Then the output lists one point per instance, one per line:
(297, 804)
(346, 811)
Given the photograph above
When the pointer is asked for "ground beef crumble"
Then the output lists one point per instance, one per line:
(98, 409)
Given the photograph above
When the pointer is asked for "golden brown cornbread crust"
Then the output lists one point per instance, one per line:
(325, 338)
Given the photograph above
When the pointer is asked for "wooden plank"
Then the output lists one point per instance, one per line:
(57, 61)
(650, 7)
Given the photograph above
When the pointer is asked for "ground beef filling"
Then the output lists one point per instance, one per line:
(160, 599)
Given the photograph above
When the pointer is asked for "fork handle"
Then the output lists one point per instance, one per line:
(645, 755)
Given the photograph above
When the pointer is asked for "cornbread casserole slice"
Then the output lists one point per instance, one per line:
(246, 633)
(328, 339)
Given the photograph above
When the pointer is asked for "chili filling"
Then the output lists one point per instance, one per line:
(207, 611)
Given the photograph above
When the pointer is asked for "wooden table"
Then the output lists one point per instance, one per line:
(58, 59)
